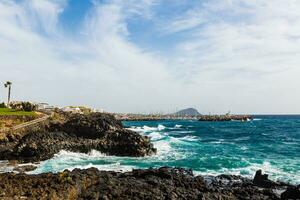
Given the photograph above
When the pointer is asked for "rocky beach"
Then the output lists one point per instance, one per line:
(162, 183)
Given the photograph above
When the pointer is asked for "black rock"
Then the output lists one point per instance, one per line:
(90, 126)
(262, 180)
(292, 192)
(157, 184)
(78, 133)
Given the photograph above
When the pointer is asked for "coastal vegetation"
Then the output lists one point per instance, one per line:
(11, 117)
(14, 112)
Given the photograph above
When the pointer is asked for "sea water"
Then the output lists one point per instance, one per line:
(270, 143)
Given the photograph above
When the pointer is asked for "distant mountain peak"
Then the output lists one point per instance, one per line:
(188, 112)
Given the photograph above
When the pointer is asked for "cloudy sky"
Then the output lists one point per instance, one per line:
(153, 55)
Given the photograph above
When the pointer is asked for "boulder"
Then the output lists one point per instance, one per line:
(262, 180)
(91, 126)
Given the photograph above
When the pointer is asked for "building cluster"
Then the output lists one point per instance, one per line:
(71, 109)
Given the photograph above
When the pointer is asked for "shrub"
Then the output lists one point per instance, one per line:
(23, 106)
(2, 105)
(27, 106)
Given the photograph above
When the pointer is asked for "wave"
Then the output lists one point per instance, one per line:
(182, 132)
(244, 148)
(275, 173)
(162, 147)
(161, 127)
(71, 160)
(183, 147)
(190, 138)
(166, 154)
(220, 141)
(177, 126)
(155, 136)
(146, 129)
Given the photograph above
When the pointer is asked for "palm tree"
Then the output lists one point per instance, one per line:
(8, 84)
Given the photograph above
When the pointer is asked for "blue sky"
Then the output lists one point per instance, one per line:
(153, 55)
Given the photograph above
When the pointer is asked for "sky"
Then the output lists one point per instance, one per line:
(150, 56)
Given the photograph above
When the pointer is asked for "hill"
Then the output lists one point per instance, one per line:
(187, 112)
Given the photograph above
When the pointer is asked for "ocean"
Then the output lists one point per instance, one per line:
(270, 143)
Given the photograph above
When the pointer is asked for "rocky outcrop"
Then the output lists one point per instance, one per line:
(90, 126)
(262, 180)
(78, 133)
(162, 183)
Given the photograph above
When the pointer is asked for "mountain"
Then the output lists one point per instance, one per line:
(188, 112)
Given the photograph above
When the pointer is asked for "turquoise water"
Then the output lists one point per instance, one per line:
(270, 143)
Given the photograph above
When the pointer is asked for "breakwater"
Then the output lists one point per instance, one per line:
(142, 117)
(225, 118)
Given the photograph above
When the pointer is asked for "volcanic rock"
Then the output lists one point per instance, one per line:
(262, 180)
(157, 184)
(79, 133)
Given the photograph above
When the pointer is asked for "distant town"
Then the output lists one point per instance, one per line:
(30, 108)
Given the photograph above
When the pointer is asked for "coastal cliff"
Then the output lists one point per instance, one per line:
(77, 133)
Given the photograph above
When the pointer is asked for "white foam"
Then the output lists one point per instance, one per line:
(162, 147)
(275, 173)
(146, 129)
(136, 129)
(190, 138)
(244, 148)
(117, 167)
(161, 127)
(177, 126)
(182, 132)
(220, 141)
(91, 155)
(155, 136)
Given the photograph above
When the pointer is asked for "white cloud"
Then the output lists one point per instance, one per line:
(187, 21)
(45, 13)
(251, 62)
(100, 68)
(244, 57)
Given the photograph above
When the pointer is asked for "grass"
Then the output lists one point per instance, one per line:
(12, 112)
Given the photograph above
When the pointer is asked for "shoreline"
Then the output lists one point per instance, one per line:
(159, 183)
(80, 133)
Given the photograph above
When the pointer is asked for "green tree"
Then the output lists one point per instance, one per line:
(8, 84)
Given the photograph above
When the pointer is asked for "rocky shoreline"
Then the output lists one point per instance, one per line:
(162, 183)
(77, 133)
(103, 132)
